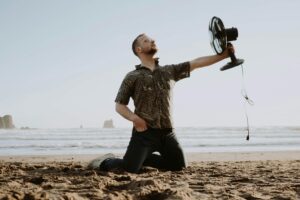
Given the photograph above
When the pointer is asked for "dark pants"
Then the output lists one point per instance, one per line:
(140, 152)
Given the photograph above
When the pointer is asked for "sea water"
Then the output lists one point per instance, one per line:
(99, 141)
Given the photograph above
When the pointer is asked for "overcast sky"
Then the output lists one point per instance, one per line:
(62, 61)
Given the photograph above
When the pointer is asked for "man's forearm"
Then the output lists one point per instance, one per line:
(206, 61)
(125, 112)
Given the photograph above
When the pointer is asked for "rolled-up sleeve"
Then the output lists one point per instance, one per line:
(125, 90)
(179, 71)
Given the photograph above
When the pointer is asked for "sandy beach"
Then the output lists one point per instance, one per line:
(252, 175)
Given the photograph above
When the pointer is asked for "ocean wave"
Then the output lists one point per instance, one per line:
(94, 140)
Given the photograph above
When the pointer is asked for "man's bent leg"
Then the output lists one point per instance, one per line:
(172, 153)
(154, 160)
(136, 154)
(139, 153)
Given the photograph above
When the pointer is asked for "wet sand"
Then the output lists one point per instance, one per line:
(259, 175)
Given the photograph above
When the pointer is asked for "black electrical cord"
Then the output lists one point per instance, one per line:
(248, 100)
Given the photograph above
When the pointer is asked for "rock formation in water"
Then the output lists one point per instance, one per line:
(1, 123)
(6, 122)
(25, 128)
(108, 124)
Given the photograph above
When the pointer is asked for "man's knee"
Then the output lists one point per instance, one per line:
(175, 161)
(177, 165)
(131, 167)
(133, 163)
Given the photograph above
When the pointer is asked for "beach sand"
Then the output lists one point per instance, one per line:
(256, 175)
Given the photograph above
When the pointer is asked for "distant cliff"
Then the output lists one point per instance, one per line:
(6, 122)
(108, 124)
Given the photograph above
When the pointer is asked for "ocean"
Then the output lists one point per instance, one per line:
(99, 141)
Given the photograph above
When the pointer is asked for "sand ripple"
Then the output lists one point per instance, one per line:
(202, 180)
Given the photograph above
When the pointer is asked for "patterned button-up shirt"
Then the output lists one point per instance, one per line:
(151, 92)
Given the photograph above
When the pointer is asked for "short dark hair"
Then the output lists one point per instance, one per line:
(135, 42)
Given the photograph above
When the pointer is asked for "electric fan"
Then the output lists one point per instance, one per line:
(220, 40)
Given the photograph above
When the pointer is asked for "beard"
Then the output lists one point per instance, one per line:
(151, 51)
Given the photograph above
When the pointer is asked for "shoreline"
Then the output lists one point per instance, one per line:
(190, 157)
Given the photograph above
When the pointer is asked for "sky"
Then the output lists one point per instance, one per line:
(62, 61)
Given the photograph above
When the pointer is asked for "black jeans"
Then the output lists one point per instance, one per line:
(140, 152)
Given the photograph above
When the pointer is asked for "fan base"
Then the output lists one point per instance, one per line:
(232, 64)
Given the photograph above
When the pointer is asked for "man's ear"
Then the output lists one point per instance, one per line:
(138, 49)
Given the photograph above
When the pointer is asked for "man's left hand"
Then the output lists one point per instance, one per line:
(230, 48)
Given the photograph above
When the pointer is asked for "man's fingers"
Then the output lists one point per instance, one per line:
(140, 125)
(231, 48)
(141, 129)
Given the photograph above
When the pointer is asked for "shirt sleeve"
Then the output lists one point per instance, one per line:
(179, 71)
(125, 90)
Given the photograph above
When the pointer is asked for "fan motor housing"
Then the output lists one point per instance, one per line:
(231, 33)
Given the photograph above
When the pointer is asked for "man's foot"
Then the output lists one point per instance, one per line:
(95, 164)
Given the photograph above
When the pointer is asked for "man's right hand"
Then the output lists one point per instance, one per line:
(139, 124)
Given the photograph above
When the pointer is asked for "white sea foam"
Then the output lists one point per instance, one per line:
(93, 141)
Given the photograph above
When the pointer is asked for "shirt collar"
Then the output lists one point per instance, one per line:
(143, 67)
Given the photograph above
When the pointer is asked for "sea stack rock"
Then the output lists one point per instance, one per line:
(1, 122)
(6, 122)
(108, 124)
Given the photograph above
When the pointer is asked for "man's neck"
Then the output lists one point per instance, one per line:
(148, 62)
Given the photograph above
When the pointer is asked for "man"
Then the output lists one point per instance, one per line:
(150, 86)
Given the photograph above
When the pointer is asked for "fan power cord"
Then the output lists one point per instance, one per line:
(248, 100)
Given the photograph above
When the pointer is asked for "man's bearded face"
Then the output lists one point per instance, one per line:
(148, 45)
